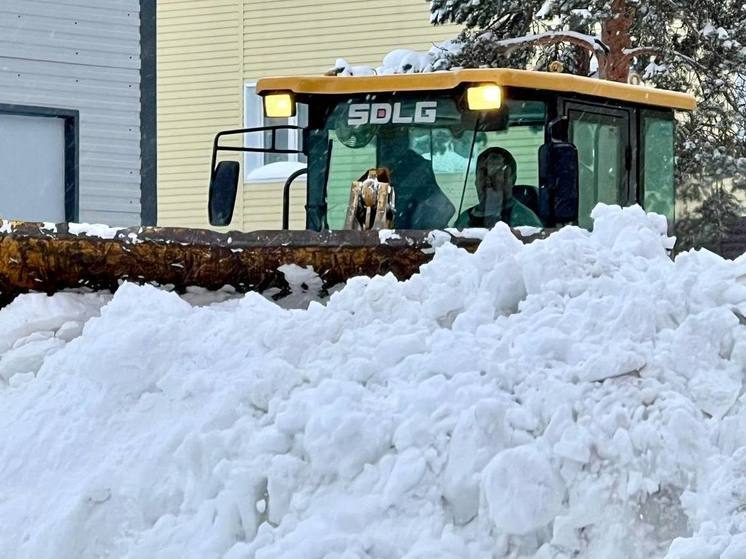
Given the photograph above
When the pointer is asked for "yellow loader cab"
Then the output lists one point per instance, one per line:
(571, 142)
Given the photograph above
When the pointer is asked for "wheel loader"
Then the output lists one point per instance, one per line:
(390, 152)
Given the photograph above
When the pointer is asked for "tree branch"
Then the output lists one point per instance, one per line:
(639, 52)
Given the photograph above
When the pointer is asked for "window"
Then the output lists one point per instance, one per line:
(429, 162)
(39, 148)
(348, 163)
(450, 161)
(658, 163)
(272, 164)
(602, 141)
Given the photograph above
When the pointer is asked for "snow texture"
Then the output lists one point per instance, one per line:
(385, 234)
(87, 229)
(580, 396)
(403, 61)
(92, 230)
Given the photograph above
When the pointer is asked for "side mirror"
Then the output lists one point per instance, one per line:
(558, 177)
(222, 195)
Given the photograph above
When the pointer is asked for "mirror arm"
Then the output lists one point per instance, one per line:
(559, 130)
(216, 147)
(286, 197)
(260, 150)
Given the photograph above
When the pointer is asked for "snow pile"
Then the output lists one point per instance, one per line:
(37, 326)
(575, 397)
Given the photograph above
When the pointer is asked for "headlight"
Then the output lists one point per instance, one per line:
(279, 105)
(485, 97)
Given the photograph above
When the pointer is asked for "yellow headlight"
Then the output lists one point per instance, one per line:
(279, 105)
(484, 97)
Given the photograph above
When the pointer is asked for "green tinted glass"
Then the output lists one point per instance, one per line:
(601, 141)
(426, 144)
(658, 164)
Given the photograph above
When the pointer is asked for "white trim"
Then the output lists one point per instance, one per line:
(250, 160)
(254, 117)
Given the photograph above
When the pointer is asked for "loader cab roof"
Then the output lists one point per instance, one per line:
(442, 81)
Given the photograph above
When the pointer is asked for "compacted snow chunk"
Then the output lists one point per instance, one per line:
(580, 396)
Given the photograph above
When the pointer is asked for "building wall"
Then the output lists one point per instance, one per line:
(287, 37)
(82, 55)
(199, 93)
(207, 51)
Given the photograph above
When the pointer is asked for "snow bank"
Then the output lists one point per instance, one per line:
(580, 396)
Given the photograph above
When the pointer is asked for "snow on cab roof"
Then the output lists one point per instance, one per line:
(548, 81)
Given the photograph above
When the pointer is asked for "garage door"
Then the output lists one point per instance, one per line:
(32, 168)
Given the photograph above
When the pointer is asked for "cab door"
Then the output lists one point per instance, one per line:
(604, 137)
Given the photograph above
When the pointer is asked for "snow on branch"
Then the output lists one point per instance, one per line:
(588, 42)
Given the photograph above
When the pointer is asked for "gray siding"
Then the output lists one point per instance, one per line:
(83, 55)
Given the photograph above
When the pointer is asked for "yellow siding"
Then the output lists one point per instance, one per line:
(199, 93)
(208, 50)
(265, 211)
(291, 37)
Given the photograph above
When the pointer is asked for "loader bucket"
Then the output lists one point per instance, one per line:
(50, 258)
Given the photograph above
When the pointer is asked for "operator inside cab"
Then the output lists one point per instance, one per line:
(495, 179)
(422, 204)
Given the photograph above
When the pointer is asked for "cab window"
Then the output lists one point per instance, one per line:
(432, 161)
(658, 163)
(602, 140)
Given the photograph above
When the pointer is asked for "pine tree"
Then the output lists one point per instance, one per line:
(698, 46)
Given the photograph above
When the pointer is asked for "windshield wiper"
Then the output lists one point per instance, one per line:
(468, 167)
